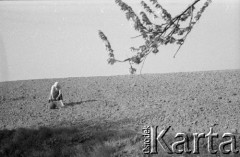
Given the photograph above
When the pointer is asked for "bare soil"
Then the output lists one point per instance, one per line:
(188, 102)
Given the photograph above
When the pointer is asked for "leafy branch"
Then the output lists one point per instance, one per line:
(169, 31)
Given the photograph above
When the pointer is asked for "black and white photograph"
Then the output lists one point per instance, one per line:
(119, 78)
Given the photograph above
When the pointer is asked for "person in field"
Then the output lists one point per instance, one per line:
(56, 94)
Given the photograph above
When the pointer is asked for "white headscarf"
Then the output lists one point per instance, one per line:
(56, 85)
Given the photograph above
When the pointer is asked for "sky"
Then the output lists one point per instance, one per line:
(59, 39)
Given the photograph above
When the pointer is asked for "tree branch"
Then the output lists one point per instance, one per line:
(155, 35)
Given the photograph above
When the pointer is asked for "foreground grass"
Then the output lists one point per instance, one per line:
(82, 142)
(64, 142)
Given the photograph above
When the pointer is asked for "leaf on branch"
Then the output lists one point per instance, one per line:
(199, 13)
(157, 28)
(180, 41)
(172, 40)
(106, 42)
(138, 25)
(145, 19)
(188, 13)
(175, 30)
(143, 48)
(184, 17)
(160, 40)
(132, 70)
(111, 54)
(111, 60)
(133, 49)
(123, 5)
(155, 50)
(193, 23)
(181, 32)
(141, 54)
(136, 59)
(148, 9)
(130, 15)
(188, 28)
(163, 12)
